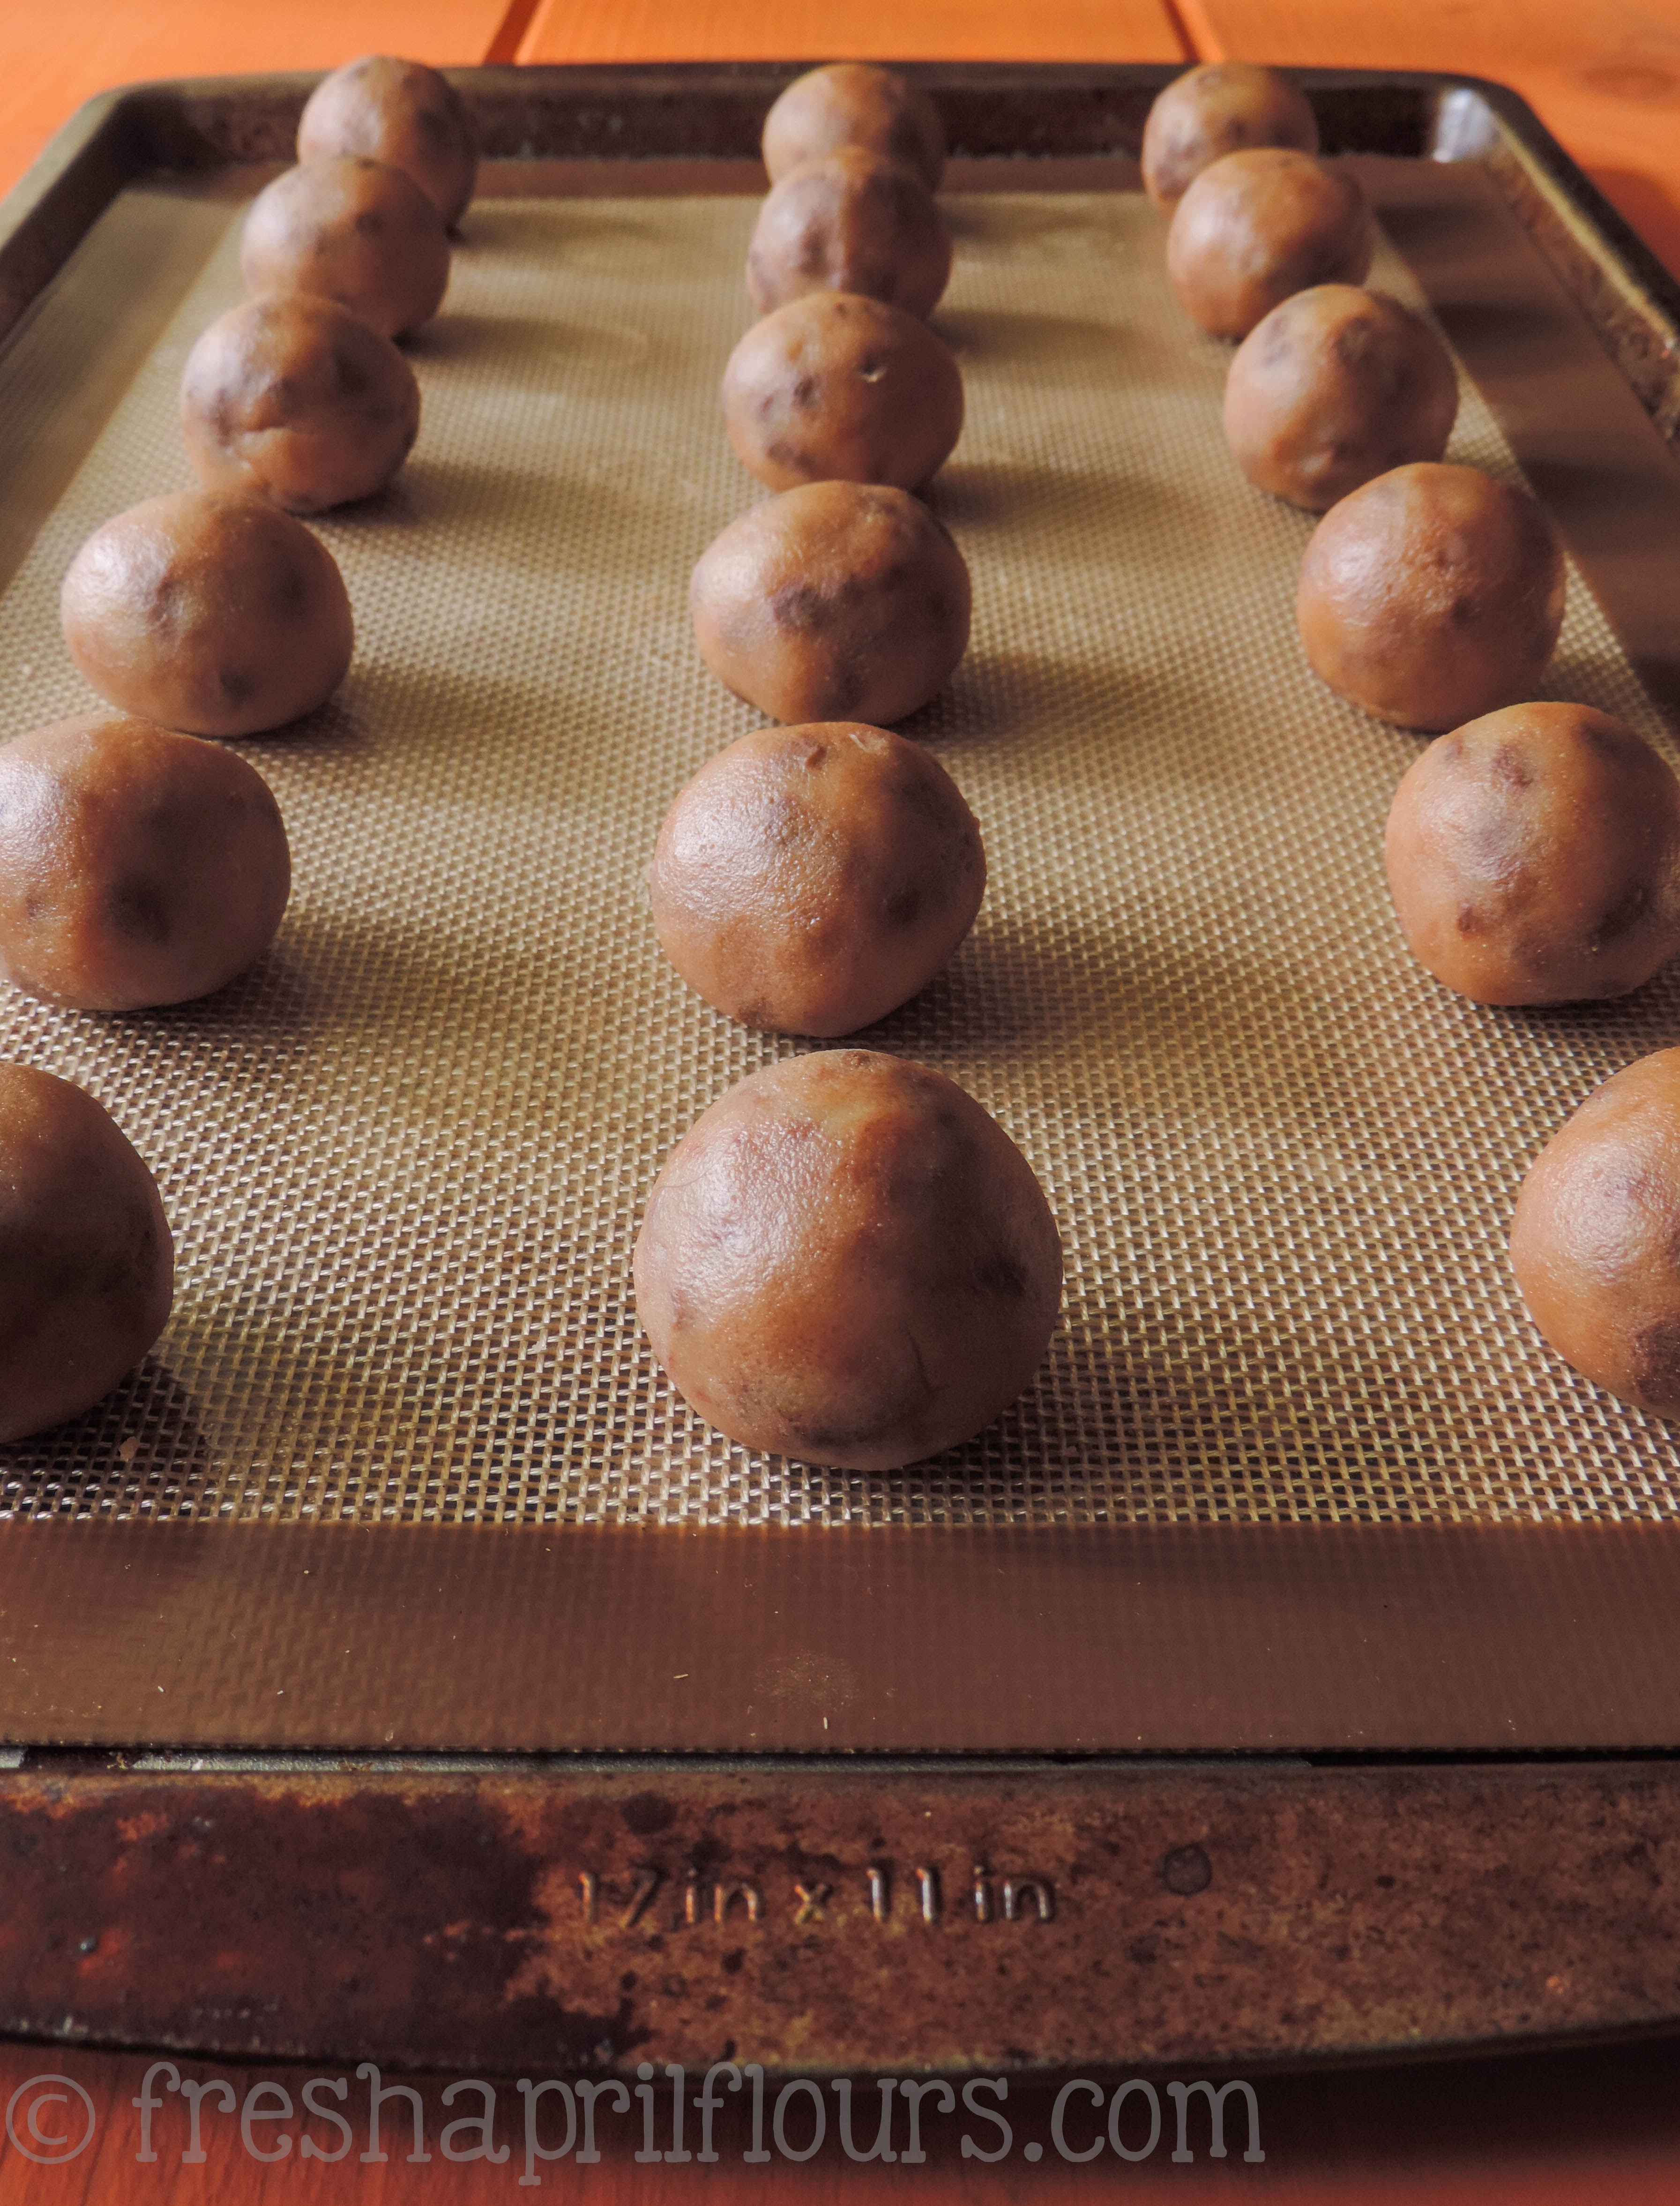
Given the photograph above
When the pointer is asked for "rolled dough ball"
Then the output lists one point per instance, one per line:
(855, 104)
(846, 1259)
(809, 880)
(836, 601)
(402, 113)
(849, 222)
(137, 867)
(835, 388)
(1432, 595)
(1533, 857)
(87, 1263)
(296, 400)
(219, 615)
(1335, 386)
(1594, 1237)
(355, 231)
(1223, 107)
(1255, 228)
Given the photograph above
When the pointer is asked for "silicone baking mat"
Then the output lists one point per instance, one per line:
(405, 1157)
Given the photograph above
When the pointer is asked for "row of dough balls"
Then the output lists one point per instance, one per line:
(214, 611)
(845, 1260)
(140, 864)
(841, 597)
(813, 877)
(1532, 850)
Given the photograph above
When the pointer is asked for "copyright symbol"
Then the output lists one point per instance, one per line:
(44, 2124)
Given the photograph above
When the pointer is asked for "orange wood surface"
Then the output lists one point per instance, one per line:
(55, 54)
(817, 30)
(1595, 2128)
(1602, 75)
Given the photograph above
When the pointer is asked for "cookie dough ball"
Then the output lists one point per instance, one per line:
(836, 601)
(137, 868)
(855, 104)
(296, 400)
(1255, 228)
(220, 615)
(847, 1260)
(833, 388)
(87, 1263)
(1223, 107)
(400, 113)
(1598, 1223)
(849, 222)
(355, 231)
(1534, 857)
(1432, 595)
(809, 880)
(1335, 386)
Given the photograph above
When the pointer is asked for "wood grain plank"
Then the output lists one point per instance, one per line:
(1605, 79)
(888, 30)
(53, 58)
(1581, 2128)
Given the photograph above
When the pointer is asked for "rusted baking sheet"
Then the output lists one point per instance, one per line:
(820, 1919)
(1003, 1914)
(1001, 1599)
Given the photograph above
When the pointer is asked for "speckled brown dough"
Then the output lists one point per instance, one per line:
(836, 601)
(1223, 107)
(402, 113)
(846, 1260)
(855, 104)
(809, 880)
(353, 230)
(1597, 1226)
(1255, 228)
(849, 222)
(87, 1263)
(1534, 857)
(296, 400)
(218, 615)
(835, 388)
(1432, 595)
(1335, 386)
(137, 867)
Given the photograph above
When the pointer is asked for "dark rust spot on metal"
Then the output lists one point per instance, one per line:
(1187, 1870)
(644, 1813)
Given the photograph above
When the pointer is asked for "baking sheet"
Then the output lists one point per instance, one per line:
(405, 1157)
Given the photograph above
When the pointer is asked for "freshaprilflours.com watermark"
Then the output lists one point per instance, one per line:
(533, 2124)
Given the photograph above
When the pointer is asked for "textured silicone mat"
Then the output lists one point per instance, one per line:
(406, 1157)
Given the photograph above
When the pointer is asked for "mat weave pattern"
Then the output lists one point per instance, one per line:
(406, 1157)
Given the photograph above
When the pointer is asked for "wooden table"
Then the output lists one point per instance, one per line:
(1596, 2128)
(1536, 2130)
(52, 58)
